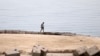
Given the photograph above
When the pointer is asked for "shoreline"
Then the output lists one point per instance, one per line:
(45, 33)
(32, 32)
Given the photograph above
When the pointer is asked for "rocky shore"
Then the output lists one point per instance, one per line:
(32, 32)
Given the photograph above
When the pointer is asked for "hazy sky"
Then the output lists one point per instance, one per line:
(48, 7)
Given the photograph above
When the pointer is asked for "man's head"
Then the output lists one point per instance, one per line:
(43, 22)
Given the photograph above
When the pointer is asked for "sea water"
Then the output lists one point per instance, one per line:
(76, 16)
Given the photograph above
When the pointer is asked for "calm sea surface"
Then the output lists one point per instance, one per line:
(77, 16)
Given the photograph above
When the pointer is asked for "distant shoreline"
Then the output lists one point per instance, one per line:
(32, 32)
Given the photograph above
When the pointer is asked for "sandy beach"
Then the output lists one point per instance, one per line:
(25, 42)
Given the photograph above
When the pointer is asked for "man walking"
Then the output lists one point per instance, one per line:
(42, 27)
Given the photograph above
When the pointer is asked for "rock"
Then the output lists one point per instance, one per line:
(59, 54)
(93, 51)
(36, 52)
(80, 51)
(39, 50)
(12, 53)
